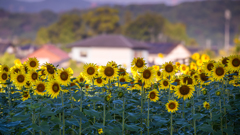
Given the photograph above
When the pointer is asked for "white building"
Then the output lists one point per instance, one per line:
(171, 52)
(103, 48)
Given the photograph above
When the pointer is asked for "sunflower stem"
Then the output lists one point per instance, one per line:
(171, 124)
(210, 106)
(60, 131)
(220, 106)
(94, 118)
(183, 115)
(80, 124)
(194, 121)
(73, 133)
(148, 117)
(141, 108)
(9, 97)
(123, 116)
(63, 114)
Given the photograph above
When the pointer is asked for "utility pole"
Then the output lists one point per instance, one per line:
(226, 38)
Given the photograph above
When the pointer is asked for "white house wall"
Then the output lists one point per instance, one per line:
(180, 52)
(75, 54)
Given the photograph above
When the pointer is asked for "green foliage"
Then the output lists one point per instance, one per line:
(145, 27)
(102, 20)
(7, 59)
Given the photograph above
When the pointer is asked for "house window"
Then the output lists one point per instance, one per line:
(137, 54)
(83, 54)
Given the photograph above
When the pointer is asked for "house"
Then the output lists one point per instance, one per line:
(24, 51)
(6, 47)
(103, 48)
(50, 54)
(171, 52)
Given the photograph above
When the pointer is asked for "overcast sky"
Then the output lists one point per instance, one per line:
(172, 2)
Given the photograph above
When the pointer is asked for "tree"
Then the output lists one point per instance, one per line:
(102, 20)
(7, 59)
(145, 27)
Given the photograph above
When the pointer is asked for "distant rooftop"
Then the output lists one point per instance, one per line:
(106, 40)
(163, 48)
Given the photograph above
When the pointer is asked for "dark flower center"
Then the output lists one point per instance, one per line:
(99, 80)
(146, 74)
(184, 90)
(50, 69)
(169, 68)
(171, 105)
(203, 77)
(34, 76)
(210, 66)
(152, 95)
(20, 78)
(33, 63)
(41, 88)
(139, 63)
(64, 76)
(122, 80)
(236, 62)
(55, 87)
(188, 80)
(219, 71)
(4, 76)
(90, 70)
(165, 83)
(109, 71)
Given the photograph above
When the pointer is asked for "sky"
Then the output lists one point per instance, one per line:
(171, 2)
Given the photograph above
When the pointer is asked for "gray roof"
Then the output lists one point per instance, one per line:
(164, 48)
(106, 40)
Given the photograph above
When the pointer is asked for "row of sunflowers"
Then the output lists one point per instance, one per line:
(172, 98)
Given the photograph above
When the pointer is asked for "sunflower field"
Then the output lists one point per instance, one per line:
(173, 98)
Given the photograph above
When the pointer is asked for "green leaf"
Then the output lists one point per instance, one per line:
(44, 127)
(229, 130)
(206, 128)
(92, 112)
(35, 127)
(228, 107)
(118, 102)
(45, 111)
(132, 127)
(55, 120)
(20, 116)
(198, 116)
(95, 99)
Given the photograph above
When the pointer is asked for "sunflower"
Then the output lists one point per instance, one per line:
(19, 79)
(164, 84)
(195, 56)
(193, 66)
(28, 84)
(122, 71)
(90, 70)
(32, 63)
(155, 67)
(185, 79)
(177, 64)
(81, 78)
(208, 66)
(124, 80)
(64, 76)
(113, 64)
(4, 68)
(184, 68)
(169, 69)
(139, 83)
(99, 82)
(100, 131)
(39, 88)
(15, 69)
(138, 64)
(42, 72)
(158, 75)
(153, 95)
(219, 71)
(203, 77)
(147, 75)
(206, 105)
(160, 55)
(3, 77)
(224, 61)
(108, 97)
(172, 106)
(184, 91)
(53, 88)
(108, 72)
(234, 63)
(17, 62)
(33, 76)
(25, 95)
(50, 70)
(176, 80)
(199, 62)
(205, 58)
